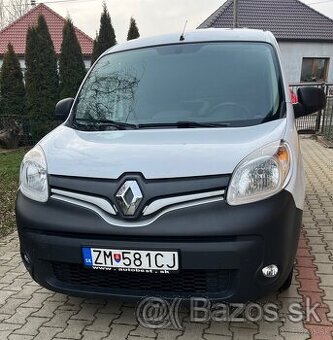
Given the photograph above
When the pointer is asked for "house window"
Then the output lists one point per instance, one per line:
(314, 69)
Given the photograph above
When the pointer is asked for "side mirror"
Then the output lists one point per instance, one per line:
(63, 108)
(310, 100)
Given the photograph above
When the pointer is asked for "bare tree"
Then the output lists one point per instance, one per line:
(11, 10)
(108, 94)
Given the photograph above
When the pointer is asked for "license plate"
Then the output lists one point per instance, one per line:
(131, 260)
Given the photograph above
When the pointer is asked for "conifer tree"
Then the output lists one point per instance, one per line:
(94, 54)
(32, 74)
(48, 69)
(41, 71)
(41, 78)
(12, 91)
(133, 32)
(71, 64)
(106, 37)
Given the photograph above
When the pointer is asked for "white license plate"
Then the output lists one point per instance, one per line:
(131, 260)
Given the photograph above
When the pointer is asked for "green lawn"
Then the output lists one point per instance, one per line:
(9, 172)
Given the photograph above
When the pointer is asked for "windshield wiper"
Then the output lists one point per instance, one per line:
(183, 124)
(103, 124)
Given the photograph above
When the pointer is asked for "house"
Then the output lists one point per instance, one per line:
(15, 33)
(305, 36)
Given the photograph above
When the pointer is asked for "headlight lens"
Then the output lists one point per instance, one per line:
(33, 175)
(261, 174)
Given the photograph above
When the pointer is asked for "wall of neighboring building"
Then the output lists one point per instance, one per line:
(293, 53)
(87, 62)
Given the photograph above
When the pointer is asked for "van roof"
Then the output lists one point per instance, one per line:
(198, 35)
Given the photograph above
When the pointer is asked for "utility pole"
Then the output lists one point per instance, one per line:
(235, 25)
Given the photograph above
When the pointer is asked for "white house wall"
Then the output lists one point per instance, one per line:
(292, 54)
(87, 62)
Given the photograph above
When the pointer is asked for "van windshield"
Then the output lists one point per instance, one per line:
(184, 85)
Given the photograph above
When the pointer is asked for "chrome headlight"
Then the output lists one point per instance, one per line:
(33, 175)
(260, 175)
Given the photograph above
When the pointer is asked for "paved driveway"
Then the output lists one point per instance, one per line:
(28, 311)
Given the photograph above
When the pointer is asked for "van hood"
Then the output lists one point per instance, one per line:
(155, 153)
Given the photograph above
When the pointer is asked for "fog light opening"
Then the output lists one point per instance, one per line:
(270, 271)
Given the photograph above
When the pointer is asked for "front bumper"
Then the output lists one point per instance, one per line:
(222, 248)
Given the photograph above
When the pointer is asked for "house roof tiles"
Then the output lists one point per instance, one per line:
(15, 33)
(286, 19)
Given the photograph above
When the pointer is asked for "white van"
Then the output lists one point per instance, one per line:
(177, 172)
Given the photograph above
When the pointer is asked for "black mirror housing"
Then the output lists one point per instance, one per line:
(63, 108)
(310, 100)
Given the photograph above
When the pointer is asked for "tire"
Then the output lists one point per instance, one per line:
(288, 281)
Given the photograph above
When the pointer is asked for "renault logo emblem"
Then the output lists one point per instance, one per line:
(129, 197)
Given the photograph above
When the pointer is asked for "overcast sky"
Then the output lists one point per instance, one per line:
(152, 16)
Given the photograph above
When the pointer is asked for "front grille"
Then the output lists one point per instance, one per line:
(152, 189)
(186, 281)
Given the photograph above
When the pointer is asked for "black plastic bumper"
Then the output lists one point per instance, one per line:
(222, 248)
